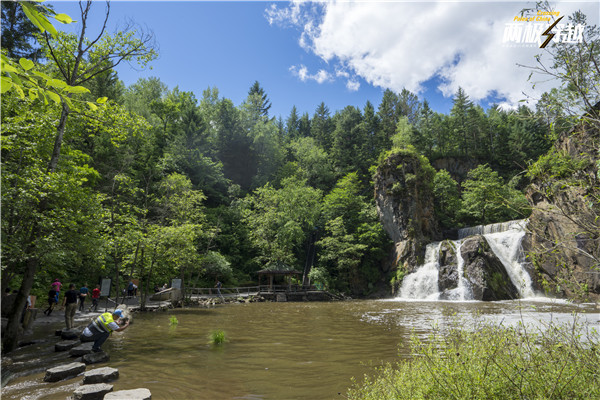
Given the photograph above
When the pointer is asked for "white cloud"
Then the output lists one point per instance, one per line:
(302, 73)
(401, 44)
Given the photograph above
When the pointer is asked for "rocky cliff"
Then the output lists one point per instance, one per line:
(563, 241)
(404, 199)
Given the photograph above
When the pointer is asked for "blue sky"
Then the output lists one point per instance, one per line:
(341, 53)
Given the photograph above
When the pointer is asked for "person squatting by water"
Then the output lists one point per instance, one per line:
(101, 327)
(70, 304)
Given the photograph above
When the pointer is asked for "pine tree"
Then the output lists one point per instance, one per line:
(260, 99)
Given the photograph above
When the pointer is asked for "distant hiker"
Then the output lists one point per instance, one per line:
(218, 286)
(130, 289)
(95, 297)
(51, 301)
(83, 292)
(70, 304)
(56, 285)
(101, 327)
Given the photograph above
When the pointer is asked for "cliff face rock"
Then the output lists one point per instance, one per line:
(563, 240)
(485, 272)
(458, 168)
(404, 200)
(448, 270)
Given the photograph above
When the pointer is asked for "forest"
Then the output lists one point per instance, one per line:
(149, 182)
(156, 182)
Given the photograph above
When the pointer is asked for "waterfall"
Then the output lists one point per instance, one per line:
(423, 283)
(463, 289)
(491, 228)
(507, 247)
(504, 240)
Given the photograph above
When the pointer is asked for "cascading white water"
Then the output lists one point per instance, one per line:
(423, 283)
(463, 289)
(507, 247)
(504, 240)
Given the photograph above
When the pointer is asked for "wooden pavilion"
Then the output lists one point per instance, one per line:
(272, 273)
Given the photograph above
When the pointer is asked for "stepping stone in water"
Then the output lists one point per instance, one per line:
(92, 392)
(134, 394)
(81, 350)
(95, 358)
(100, 375)
(65, 345)
(64, 372)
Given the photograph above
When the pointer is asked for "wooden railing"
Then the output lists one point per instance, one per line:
(247, 290)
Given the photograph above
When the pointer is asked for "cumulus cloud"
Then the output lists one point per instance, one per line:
(396, 45)
(302, 73)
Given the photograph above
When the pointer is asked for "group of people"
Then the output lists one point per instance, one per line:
(72, 300)
(101, 327)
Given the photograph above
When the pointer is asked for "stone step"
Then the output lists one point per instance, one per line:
(100, 375)
(133, 394)
(64, 372)
(96, 391)
(66, 345)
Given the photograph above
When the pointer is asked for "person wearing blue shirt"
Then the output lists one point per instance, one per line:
(83, 292)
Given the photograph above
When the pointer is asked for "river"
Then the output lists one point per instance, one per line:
(276, 350)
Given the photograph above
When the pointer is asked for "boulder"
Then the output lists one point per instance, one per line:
(66, 345)
(486, 274)
(70, 334)
(100, 375)
(92, 392)
(448, 267)
(81, 350)
(64, 372)
(134, 394)
(170, 294)
(95, 358)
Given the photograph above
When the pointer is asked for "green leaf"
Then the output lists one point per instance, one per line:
(8, 68)
(6, 84)
(26, 64)
(19, 91)
(76, 89)
(57, 83)
(102, 100)
(53, 96)
(32, 14)
(92, 106)
(63, 18)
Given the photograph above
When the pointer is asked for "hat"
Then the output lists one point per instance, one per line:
(118, 312)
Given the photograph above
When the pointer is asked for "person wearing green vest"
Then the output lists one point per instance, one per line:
(101, 327)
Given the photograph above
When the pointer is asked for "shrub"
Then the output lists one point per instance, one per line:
(493, 362)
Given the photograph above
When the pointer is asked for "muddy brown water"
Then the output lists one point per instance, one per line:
(273, 350)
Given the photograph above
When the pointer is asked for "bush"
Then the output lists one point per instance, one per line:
(491, 362)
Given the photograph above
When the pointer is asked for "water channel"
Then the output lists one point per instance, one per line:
(276, 350)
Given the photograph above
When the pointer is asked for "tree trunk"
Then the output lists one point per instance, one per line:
(60, 131)
(11, 335)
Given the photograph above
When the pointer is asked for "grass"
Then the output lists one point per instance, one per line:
(217, 337)
(492, 362)
(173, 321)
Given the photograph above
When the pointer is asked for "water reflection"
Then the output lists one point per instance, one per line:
(280, 350)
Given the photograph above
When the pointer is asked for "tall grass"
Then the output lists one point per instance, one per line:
(217, 337)
(493, 362)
